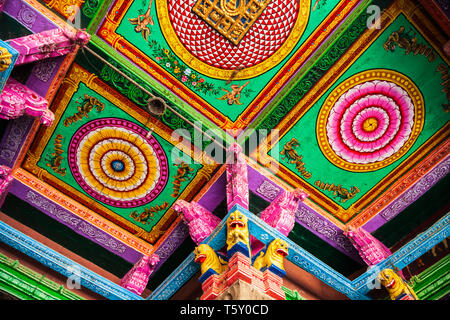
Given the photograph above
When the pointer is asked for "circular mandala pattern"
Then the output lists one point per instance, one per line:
(370, 120)
(270, 39)
(116, 163)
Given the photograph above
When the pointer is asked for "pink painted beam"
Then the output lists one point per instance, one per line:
(136, 279)
(200, 221)
(5, 178)
(17, 100)
(237, 178)
(370, 249)
(48, 44)
(280, 214)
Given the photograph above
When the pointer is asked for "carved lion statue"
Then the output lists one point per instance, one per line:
(274, 255)
(395, 285)
(209, 259)
(237, 230)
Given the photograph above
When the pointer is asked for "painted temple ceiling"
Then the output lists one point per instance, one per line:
(369, 120)
(228, 77)
(355, 116)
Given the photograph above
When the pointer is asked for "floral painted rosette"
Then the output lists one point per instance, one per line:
(117, 163)
(370, 120)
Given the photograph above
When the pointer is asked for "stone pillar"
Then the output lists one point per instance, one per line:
(17, 100)
(280, 214)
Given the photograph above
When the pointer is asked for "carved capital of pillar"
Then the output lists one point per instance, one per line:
(17, 100)
(200, 221)
(370, 249)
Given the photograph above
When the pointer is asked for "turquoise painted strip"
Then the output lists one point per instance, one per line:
(63, 265)
(176, 280)
(355, 290)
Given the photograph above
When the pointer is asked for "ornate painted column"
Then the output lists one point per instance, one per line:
(237, 178)
(137, 278)
(280, 214)
(48, 44)
(200, 221)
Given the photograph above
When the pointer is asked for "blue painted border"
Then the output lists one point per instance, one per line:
(63, 265)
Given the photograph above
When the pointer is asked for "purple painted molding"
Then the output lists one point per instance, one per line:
(42, 75)
(75, 223)
(410, 195)
(13, 139)
(305, 216)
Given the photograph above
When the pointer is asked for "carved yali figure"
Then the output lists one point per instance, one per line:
(209, 260)
(273, 258)
(5, 59)
(237, 232)
(397, 288)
